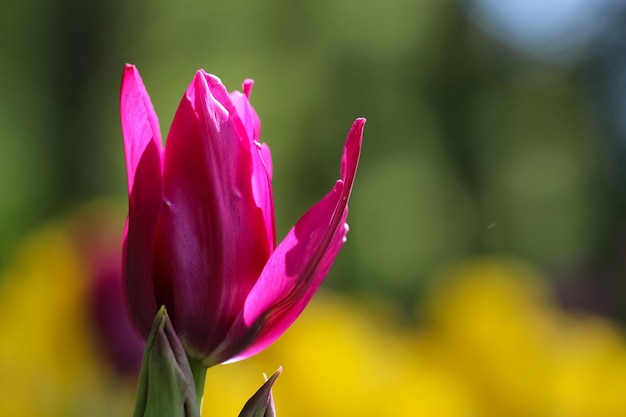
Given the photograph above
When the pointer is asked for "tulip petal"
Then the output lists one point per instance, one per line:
(249, 124)
(262, 188)
(143, 150)
(140, 125)
(246, 112)
(213, 237)
(262, 168)
(297, 267)
(267, 160)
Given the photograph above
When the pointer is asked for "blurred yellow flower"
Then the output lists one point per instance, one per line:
(491, 342)
(590, 369)
(342, 359)
(489, 321)
(50, 362)
(493, 322)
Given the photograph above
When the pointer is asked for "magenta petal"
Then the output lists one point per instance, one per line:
(143, 150)
(140, 125)
(262, 158)
(214, 240)
(262, 187)
(297, 267)
(247, 123)
(266, 156)
(246, 112)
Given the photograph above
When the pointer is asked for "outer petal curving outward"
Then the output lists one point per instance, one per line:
(143, 150)
(297, 267)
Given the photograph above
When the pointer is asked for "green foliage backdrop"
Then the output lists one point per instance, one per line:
(470, 148)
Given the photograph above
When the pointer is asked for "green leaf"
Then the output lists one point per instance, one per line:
(166, 384)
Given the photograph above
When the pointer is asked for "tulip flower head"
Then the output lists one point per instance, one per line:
(200, 234)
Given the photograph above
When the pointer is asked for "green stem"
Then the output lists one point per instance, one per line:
(199, 376)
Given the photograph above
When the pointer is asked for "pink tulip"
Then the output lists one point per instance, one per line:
(200, 234)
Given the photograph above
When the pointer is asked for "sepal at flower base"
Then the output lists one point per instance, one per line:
(166, 384)
(261, 404)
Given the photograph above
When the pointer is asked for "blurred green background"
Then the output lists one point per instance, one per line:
(473, 145)
(495, 129)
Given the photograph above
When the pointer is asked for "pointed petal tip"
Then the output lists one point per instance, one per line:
(275, 375)
(246, 87)
(356, 130)
(202, 73)
(269, 382)
(262, 402)
(130, 72)
(211, 79)
(357, 127)
(352, 152)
